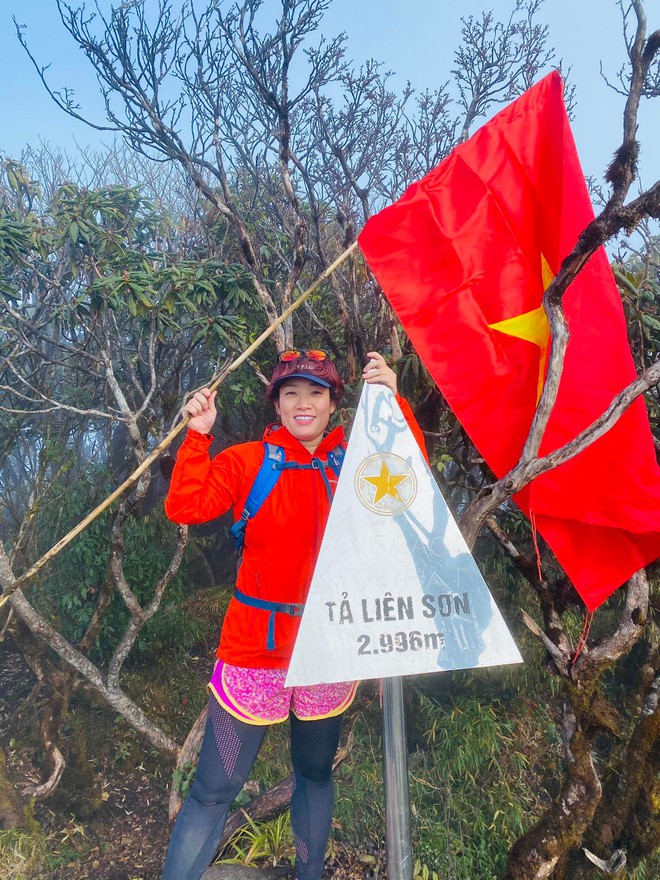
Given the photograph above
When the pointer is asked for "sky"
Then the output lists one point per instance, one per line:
(415, 39)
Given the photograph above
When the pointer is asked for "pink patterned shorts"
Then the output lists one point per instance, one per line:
(258, 696)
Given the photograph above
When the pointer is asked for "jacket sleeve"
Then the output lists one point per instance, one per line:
(202, 489)
(413, 425)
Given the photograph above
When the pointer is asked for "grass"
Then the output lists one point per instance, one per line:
(30, 854)
(22, 855)
(650, 870)
(263, 843)
(477, 780)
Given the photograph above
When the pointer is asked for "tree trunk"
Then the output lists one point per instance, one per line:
(541, 853)
(12, 809)
(187, 756)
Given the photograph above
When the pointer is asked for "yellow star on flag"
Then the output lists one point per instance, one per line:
(386, 483)
(532, 326)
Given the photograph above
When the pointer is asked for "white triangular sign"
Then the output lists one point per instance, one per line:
(395, 589)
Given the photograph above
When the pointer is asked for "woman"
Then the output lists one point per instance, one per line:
(281, 544)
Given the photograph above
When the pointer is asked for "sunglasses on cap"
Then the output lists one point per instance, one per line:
(292, 354)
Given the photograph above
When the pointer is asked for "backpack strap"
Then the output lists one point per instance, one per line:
(269, 473)
(335, 461)
(336, 458)
(264, 482)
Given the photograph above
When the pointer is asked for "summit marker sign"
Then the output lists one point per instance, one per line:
(395, 590)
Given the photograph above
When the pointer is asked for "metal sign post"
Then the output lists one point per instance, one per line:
(395, 778)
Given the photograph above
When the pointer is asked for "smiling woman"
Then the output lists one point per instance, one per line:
(282, 540)
(304, 408)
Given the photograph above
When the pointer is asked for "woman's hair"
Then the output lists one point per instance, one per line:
(306, 368)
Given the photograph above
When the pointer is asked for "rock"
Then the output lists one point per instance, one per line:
(240, 872)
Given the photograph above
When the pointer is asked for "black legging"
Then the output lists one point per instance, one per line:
(228, 752)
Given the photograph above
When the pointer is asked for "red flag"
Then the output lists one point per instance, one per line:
(464, 257)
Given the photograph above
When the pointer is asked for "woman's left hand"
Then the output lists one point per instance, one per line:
(377, 372)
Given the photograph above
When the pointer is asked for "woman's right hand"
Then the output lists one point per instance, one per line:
(201, 409)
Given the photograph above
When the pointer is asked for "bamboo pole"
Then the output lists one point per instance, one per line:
(162, 446)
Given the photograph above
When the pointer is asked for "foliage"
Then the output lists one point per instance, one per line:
(109, 307)
(77, 577)
(26, 854)
(262, 843)
(477, 777)
(22, 855)
(182, 778)
(472, 747)
(638, 273)
(108, 255)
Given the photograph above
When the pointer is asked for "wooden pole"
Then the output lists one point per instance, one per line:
(162, 446)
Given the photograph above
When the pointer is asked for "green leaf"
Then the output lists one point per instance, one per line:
(651, 322)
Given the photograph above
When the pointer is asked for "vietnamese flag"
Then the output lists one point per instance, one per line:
(464, 257)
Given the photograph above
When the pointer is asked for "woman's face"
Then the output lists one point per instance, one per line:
(304, 408)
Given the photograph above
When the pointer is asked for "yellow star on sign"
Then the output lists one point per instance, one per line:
(532, 326)
(386, 484)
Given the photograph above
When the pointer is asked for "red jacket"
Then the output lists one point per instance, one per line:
(282, 541)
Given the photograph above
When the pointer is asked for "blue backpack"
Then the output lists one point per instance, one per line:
(269, 473)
